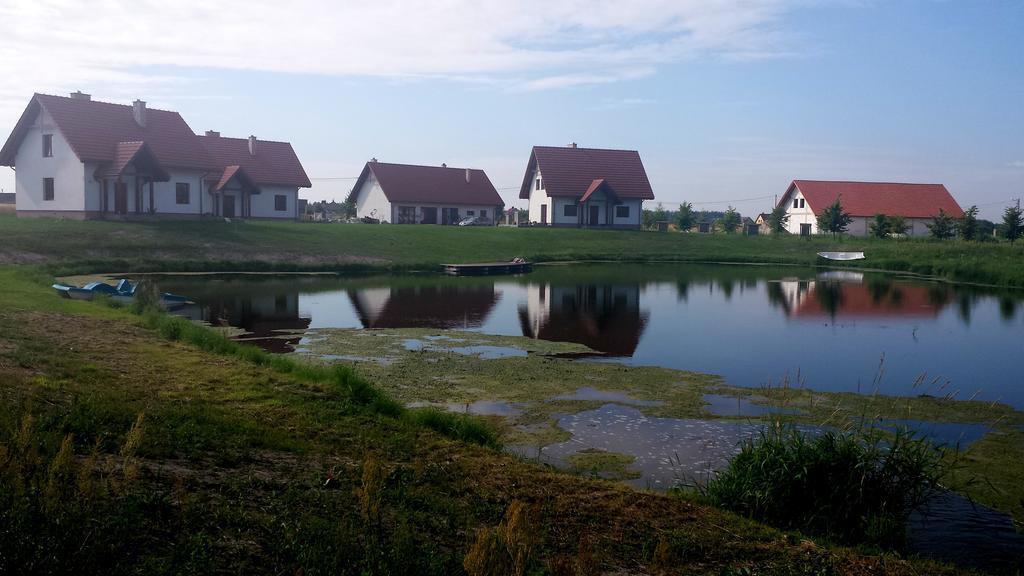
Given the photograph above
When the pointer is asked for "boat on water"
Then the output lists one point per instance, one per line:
(123, 292)
(842, 256)
(514, 266)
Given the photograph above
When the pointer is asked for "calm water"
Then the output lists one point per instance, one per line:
(752, 325)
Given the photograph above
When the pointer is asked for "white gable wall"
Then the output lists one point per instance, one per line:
(540, 198)
(371, 201)
(64, 167)
(798, 216)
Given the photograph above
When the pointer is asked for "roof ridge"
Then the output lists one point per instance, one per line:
(585, 148)
(91, 101)
(872, 182)
(258, 139)
(424, 166)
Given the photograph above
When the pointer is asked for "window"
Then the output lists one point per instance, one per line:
(47, 145)
(406, 214)
(801, 202)
(538, 184)
(280, 202)
(470, 212)
(181, 193)
(47, 188)
(483, 214)
(796, 203)
(569, 210)
(622, 211)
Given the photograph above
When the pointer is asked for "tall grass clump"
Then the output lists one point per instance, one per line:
(459, 426)
(851, 487)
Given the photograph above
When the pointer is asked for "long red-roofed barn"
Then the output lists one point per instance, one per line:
(79, 158)
(918, 204)
(585, 187)
(411, 194)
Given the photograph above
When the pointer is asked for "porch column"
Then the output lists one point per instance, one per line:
(152, 206)
(103, 199)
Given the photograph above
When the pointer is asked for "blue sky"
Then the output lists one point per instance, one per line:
(726, 101)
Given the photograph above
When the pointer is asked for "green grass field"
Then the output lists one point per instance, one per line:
(71, 247)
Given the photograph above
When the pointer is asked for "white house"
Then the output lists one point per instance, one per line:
(918, 204)
(409, 194)
(78, 158)
(585, 187)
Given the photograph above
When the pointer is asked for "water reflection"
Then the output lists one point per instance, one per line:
(606, 318)
(445, 307)
(748, 324)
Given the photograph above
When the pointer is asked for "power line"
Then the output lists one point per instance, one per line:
(735, 201)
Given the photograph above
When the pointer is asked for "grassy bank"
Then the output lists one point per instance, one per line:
(69, 247)
(131, 445)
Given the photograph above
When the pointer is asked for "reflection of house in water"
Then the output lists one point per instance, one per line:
(604, 317)
(438, 306)
(840, 298)
(270, 320)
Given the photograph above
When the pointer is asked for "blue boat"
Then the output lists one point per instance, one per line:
(123, 292)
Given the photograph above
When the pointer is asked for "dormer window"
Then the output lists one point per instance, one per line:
(47, 145)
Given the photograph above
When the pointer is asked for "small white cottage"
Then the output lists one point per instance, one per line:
(410, 194)
(585, 187)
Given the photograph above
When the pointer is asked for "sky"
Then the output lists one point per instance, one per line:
(726, 100)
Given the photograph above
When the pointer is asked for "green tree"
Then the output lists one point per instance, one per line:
(880, 227)
(968, 226)
(943, 226)
(833, 219)
(685, 218)
(730, 221)
(348, 209)
(898, 225)
(1013, 222)
(778, 219)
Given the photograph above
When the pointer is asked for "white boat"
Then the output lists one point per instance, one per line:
(842, 255)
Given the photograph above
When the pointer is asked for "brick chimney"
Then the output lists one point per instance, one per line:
(213, 134)
(79, 95)
(139, 111)
(252, 145)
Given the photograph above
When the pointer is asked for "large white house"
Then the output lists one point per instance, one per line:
(585, 187)
(918, 204)
(409, 194)
(78, 158)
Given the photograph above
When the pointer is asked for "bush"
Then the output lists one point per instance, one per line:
(852, 487)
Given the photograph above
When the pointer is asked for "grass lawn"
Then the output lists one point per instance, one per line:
(71, 247)
(125, 451)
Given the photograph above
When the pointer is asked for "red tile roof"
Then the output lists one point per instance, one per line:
(568, 171)
(430, 184)
(234, 172)
(870, 198)
(273, 163)
(94, 130)
(858, 300)
(104, 132)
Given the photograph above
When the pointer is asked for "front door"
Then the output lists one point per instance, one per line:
(595, 215)
(805, 229)
(120, 198)
(229, 206)
(544, 214)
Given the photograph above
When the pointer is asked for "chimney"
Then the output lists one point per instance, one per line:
(467, 175)
(374, 160)
(79, 95)
(252, 145)
(443, 165)
(572, 145)
(139, 111)
(213, 134)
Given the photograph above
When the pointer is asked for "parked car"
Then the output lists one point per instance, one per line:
(474, 221)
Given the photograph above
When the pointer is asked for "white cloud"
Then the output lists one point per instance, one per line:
(58, 45)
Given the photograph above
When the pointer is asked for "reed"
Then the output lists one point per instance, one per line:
(858, 486)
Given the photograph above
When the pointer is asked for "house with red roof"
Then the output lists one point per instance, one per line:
(585, 187)
(410, 194)
(918, 204)
(75, 157)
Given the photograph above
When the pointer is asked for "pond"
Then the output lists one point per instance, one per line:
(830, 331)
(755, 326)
